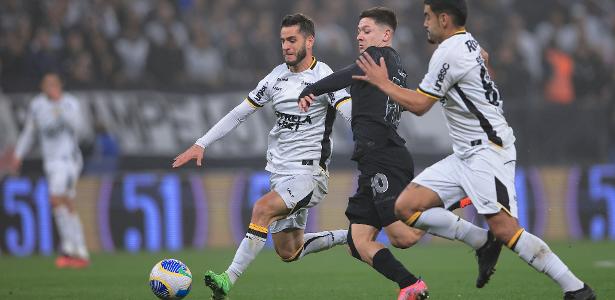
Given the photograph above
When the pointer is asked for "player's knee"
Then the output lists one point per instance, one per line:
(504, 234)
(503, 227)
(403, 209)
(262, 212)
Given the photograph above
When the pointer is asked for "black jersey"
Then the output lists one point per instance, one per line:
(374, 115)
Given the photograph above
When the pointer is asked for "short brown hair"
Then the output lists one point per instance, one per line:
(381, 15)
(306, 25)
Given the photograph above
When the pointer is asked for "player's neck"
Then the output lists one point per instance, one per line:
(453, 31)
(305, 64)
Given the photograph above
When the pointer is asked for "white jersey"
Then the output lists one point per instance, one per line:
(57, 124)
(299, 142)
(472, 104)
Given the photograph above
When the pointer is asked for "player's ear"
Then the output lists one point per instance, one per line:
(443, 19)
(388, 35)
(309, 41)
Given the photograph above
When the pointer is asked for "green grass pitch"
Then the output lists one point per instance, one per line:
(448, 268)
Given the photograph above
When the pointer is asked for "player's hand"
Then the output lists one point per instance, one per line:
(485, 55)
(194, 152)
(305, 102)
(374, 73)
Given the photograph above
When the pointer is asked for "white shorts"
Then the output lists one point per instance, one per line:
(299, 192)
(62, 177)
(487, 177)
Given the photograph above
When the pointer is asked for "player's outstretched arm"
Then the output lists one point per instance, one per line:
(377, 75)
(194, 152)
(332, 83)
(229, 122)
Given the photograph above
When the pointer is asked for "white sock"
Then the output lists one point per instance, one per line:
(443, 223)
(77, 236)
(318, 241)
(250, 246)
(62, 218)
(535, 252)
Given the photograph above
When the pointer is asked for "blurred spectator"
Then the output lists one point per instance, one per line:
(333, 42)
(512, 77)
(588, 72)
(203, 61)
(43, 58)
(526, 45)
(103, 17)
(77, 62)
(14, 74)
(165, 26)
(264, 48)
(105, 152)
(165, 64)
(238, 62)
(557, 28)
(132, 49)
(559, 87)
(106, 64)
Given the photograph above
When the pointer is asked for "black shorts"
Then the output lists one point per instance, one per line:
(380, 183)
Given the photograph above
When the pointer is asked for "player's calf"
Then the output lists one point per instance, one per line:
(315, 242)
(537, 254)
(401, 236)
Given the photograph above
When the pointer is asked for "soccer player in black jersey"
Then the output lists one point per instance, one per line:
(384, 163)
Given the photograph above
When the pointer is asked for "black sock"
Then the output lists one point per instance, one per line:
(385, 263)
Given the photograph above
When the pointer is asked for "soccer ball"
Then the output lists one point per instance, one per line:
(170, 279)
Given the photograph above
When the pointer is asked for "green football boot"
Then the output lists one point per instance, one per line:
(220, 284)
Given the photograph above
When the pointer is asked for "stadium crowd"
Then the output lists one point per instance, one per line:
(551, 52)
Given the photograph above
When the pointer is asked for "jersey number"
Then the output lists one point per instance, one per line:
(491, 92)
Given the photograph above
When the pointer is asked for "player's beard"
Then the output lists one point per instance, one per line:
(300, 56)
(430, 38)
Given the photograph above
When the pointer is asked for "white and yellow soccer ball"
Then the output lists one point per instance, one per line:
(170, 279)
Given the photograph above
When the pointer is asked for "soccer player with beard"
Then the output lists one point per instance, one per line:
(298, 155)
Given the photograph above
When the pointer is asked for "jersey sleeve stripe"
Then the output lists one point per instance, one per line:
(428, 94)
(341, 101)
(253, 103)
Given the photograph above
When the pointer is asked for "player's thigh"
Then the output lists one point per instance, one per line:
(296, 220)
(387, 184)
(402, 236)
(268, 208)
(488, 178)
(437, 185)
(363, 233)
(361, 208)
(415, 198)
(301, 190)
(298, 192)
(60, 178)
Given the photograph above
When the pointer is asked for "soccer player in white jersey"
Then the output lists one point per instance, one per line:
(297, 157)
(483, 163)
(54, 118)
